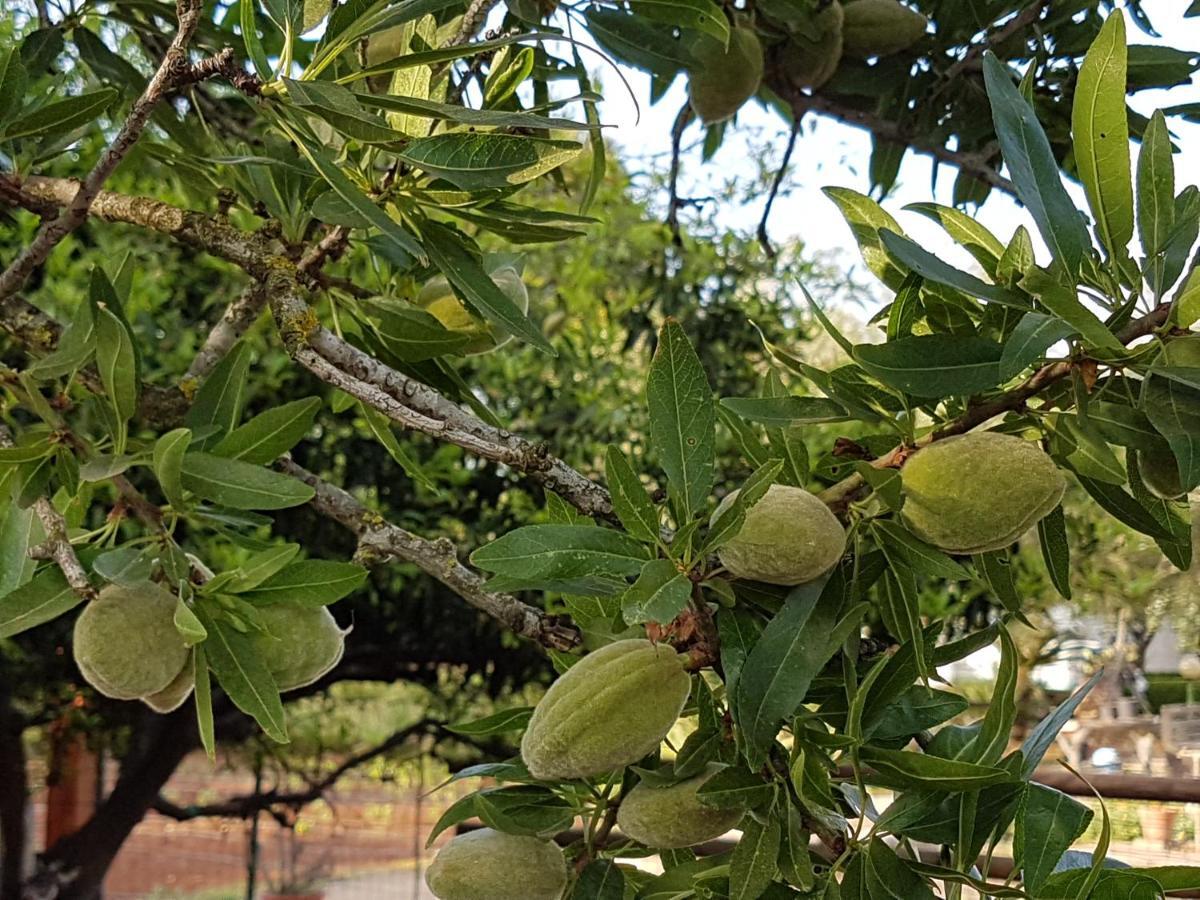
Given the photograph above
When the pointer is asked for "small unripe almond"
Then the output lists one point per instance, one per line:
(125, 642)
(721, 80)
(810, 57)
(979, 491)
(789, 537)
(881, 28)
(174, 694)
(609, 710)
(302, 643)
(491, 865)
(438, 299)
(671, 818)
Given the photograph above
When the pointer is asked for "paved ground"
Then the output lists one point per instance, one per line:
(395, 885)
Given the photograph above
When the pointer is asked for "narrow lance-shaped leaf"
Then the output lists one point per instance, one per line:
(682, 419)
(1034, 168)
(1100, 128)
(632, 504)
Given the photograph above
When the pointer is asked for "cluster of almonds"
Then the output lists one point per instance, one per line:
(723, 78)
(966, 494)
(127, 646)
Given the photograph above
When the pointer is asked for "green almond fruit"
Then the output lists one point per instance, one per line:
(721, 80)
(810, 57)
(301, 643)
(607, 711)
(789, 537)
(174, 694)
(125, 641)
(491, 865)
(671, 818)
(979, 491)
(881, 28)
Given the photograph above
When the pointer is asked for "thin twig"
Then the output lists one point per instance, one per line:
(172, 71)
(674, 204)
(764, 239)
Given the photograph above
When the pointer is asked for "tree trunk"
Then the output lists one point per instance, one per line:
(79, 862)
(13, 788)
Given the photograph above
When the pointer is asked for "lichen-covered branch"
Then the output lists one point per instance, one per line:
(380, 541)
(57, 545)
(172, 72)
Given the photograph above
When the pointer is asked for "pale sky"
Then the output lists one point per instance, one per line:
(829, 153)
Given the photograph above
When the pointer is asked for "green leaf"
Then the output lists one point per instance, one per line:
(554, 554)
(240, 485)
(188, 624)
(735, 788)
(203, 699)
(1100, 128)
(781, 666)
(524, 809)
(1063, 302)
(311, 582)
(921, 770)
(1056, 551)
(20, 529)
(631, 503)
(989, 744)
(1124, 507)
(270, 434)
(254, 47)
(1048, 823)
(169, 451)
(476, 161)
(465, 272)
(514, 719)
(984, 246)
(75, 346)
(934, 365)
(880, 873)
(1034, 168)
(1029, 341)
(866, 219)
(244, 676)
(1155, 186)
(47, 596)
(682, 419)
(381, 426)
(922, 557)
(408, 107)
(220, 400)
(392, 230)
(1185, 309)
(1174, 410)
(601, 879)
(59, 117)
(12, 84)
(411, 334)
(899, 606)
(341, 109)
(755, 858)
(781, 412)
(931, 268)
(1041, 738)
(261, 566)
(659, 595)
(115, 360)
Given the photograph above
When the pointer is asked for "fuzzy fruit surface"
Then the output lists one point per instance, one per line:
(491, 865)
(302, 643)
(1160, 473)
(607, 711)
(125, 641)
(721, 80)
(979, 491)
(789, 537)
(172, 696)
(671, 818)
(438, 299)
(811, 55)
(880, 28)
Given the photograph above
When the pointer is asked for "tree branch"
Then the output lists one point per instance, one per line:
(840, 495)
(173, 71)
(245, 806)
(380, 541)
(57, 546)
